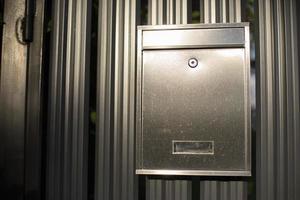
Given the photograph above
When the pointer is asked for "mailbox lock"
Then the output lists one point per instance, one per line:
(193, 62)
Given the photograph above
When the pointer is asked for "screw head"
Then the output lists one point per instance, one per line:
(193, 62)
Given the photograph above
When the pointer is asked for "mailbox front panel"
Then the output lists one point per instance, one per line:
(192, 111)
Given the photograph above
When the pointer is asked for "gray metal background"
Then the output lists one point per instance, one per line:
(228, 11)
(68, 101)
(278, 132)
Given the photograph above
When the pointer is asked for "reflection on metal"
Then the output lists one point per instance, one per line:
(20, 105)
(68, 101)
(115, 178)
(229, 11)
(169, 12)
(156, 13)
(278, 138)
(220, 11)
(12, 104)
(178, 12)
(175, 102)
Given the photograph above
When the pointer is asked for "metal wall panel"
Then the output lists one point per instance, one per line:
(115, 163)
(278, 102)
(68, 101)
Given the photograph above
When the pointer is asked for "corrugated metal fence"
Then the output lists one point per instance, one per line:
(277, 138)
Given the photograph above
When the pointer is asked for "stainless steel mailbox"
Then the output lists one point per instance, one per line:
(193, 107)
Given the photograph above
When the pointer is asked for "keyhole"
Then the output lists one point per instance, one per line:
(193, 62)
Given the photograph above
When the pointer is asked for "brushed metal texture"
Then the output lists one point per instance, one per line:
(209, 102)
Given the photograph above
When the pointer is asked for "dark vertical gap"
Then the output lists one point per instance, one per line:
(45, 91)
(249, 14)
(142, 187)
(93, 99)
(196, 11)
(195, 189)
(218, 11)
(143, 12)
(165, 12)
(112, 98)
(227, 11)
(244, 5)
(276, 106)
(298, 35)
(142, 15)
(2, 137)
(1, 29)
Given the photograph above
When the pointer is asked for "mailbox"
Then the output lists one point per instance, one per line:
(193, 105)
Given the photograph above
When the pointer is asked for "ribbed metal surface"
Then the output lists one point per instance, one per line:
(278, 135)
(222, 11)
(278, 138)
(213, 11)
(68, 102)
(115, 177)
(168, 12)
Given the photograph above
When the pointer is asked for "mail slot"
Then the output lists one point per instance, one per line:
(193, 105)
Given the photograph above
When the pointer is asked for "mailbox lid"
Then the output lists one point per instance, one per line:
(193, 121)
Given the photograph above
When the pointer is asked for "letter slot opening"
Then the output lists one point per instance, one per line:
(193, 147)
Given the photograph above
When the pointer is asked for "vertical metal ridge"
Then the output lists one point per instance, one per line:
(222, 11)
(265, 169)
(294, 100)
(68, 111)
(209, 11)
(117, 109)
(175, 12)
(171, 9)
(54, 182)
(279, 69)
(81, 96)
(278, 104)
(156, 188)
(290, 172)
(156, 12)
(202, 11)
(69, 101)
(104, 128)
(116, 83)
(224, 191)
(183, 11)
(208, 190)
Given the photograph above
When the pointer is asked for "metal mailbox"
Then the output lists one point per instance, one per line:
(193, 105)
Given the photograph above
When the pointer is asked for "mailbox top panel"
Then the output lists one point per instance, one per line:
(193, 36)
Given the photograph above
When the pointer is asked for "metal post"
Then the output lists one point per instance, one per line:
(13, 101)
